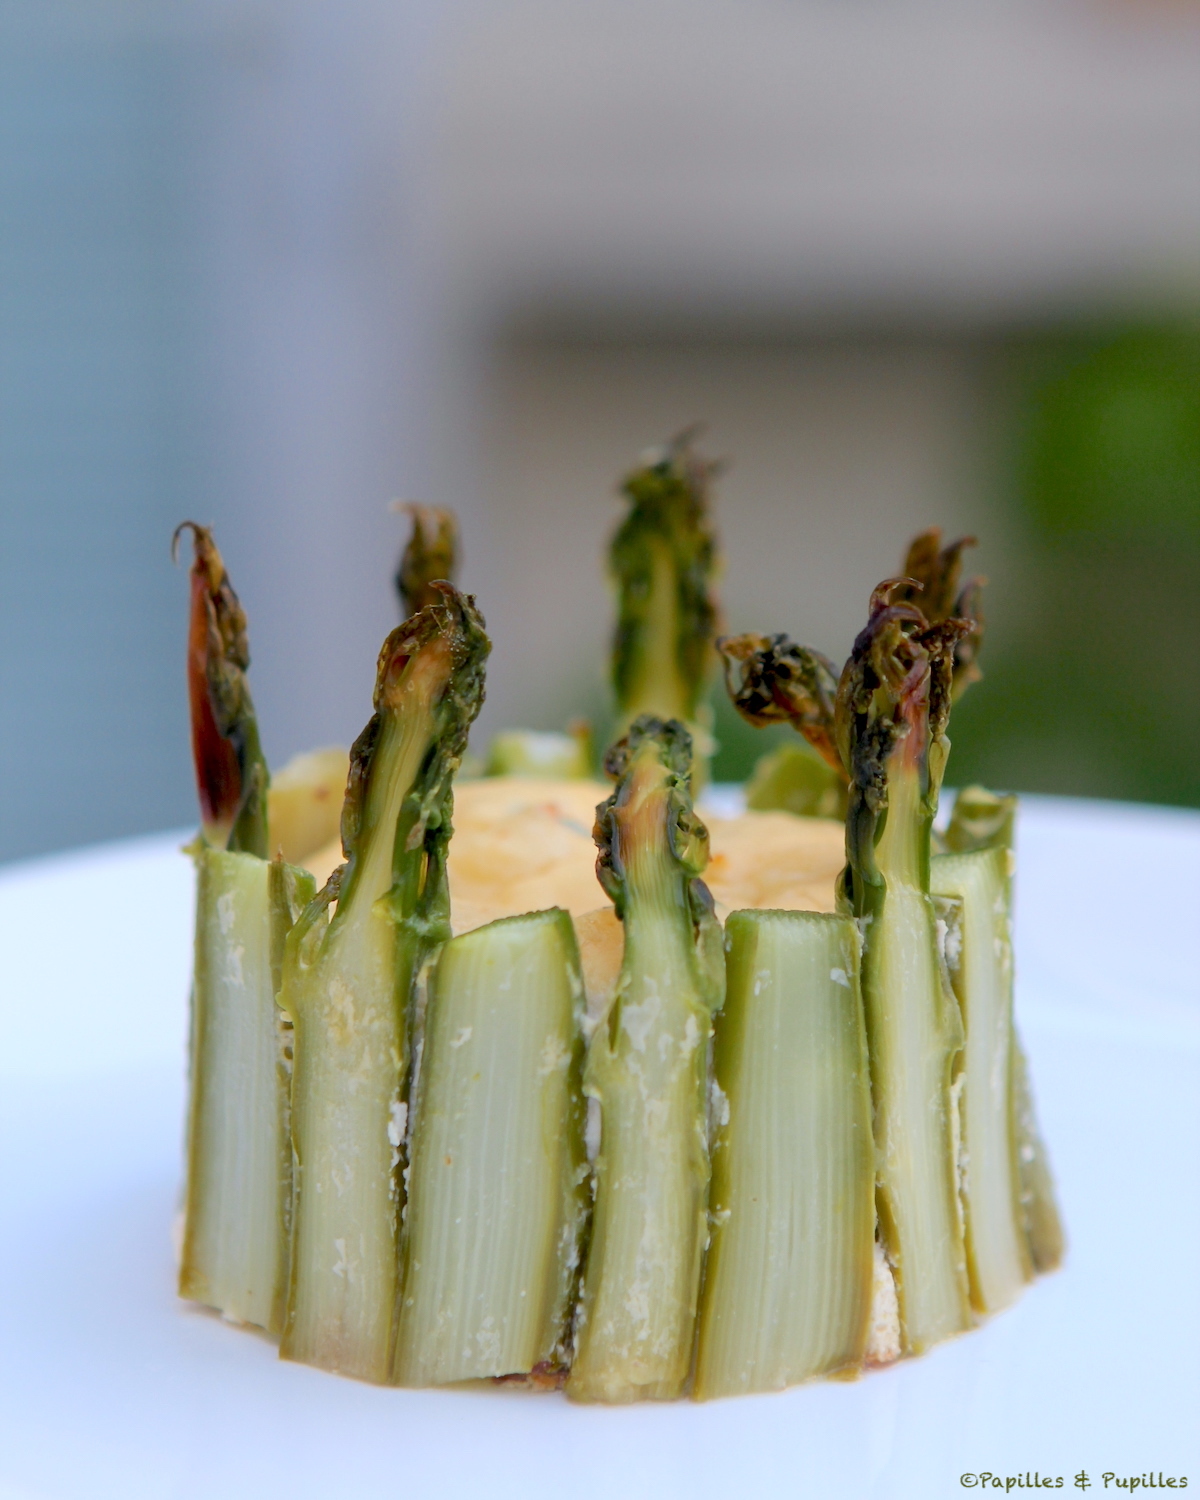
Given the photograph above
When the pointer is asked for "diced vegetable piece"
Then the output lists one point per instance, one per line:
(981, 969)
(893, 703)
(497, 1189)
(348, 984)
(663, 559)
(239, 1149)
(793, 779)
(305, 803)
(540, 753)
(787, 1286)
(647, 1069)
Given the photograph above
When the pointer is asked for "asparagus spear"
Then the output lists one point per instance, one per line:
(981, 836)
(787, 1285)
(663, 558)
(431, 554)
(231, 771)
(238, 1197)
(497, 1193)
(646, 1068)
(772, 680)
(892, 709)
(348, 983)
(234, 1255)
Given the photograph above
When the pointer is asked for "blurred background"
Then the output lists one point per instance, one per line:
(273, 264)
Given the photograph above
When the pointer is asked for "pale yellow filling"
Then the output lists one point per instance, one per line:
(521, 844)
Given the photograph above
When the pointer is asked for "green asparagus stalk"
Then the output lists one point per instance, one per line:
(787, 1285)
(981, 838)
(980, 956)
(237, 1206)
(497, 1195)
(348, 986)
(430, 555)
(893, 705)
(663, 559)
(647, 1071)
(237, 1201)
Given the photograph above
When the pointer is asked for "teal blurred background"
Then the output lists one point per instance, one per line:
(273, 265)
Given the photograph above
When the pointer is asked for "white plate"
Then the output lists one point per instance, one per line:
(111, 1387)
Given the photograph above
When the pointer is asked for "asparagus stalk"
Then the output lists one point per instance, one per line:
(497, 1193)
(981, 970)
(238, 1197)
(787, 1287)
(647, 1070)
(663, 558)
(893, 705)
(348, 983)
(234, 1254)
(981, 836)
(431, 555)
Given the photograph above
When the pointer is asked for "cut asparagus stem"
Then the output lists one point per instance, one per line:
(237, 1200)
(497, 1193)
(663, 558)
(893, 703)
(347, 987)
(983, 821)
(239, 1151)
(787, 1286)
(998, 1259)
(647, 1070)
(430, 556)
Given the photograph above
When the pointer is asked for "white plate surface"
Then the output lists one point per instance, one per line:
(110, 1387)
